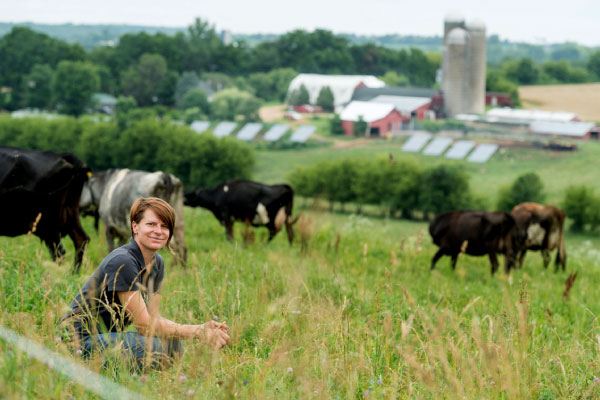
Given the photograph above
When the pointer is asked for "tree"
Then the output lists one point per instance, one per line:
(522, 71)
(299, 96)
(145, 80)
(233, 104)
(37, 87)
(392, 78)
(195, 98)
(359, 128)
(325, 99)
(582, 206)
(527, 187)
(593, 64)
(187, 81)
(74, 84)
(335, 125)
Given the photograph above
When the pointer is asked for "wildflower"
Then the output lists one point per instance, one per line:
(190, 392)
(182, 378)
(144, 378)
(290, 370)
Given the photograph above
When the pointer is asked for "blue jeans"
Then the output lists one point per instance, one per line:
(163, 350)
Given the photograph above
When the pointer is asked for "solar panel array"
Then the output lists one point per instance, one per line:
(460, 149)
(276, 132)
(224, 129)
(200, 126)
(454, 150)
(437, 146)
(415, 143)
(482, 153)
(302, 134)
(249, 131)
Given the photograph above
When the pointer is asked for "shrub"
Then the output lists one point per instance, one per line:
(581, 206)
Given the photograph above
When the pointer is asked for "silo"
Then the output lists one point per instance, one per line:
(455, 79)
(476, 65)
(451, 21)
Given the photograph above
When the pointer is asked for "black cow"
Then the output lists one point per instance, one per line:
(250, 202)
(476, 233)
(39, 194)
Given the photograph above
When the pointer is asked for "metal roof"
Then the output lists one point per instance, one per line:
(224, 128)
(369, 111)
(200, 126)
(249, 131)
(368, 93)
(404, 104)
(342, 86)
(415, 143)
(437, 146)
(519, 116)
(276, 132)
(483, 152)
(460, 149)
(302, 134)
(574, 129)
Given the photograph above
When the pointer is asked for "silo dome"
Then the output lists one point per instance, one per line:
(475, 25)
(454, 17)
(457, 36)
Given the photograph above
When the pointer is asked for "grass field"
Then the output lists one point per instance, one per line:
(558, 170)
(582, 99)
(357, 314)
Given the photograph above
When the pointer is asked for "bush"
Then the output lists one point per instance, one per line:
(527, 187)
(444, 188)
(582, 207)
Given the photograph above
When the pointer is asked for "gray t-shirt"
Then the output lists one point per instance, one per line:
(97, 308)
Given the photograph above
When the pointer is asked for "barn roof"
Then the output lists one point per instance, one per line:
(404, 104)
(518, 116)
(369, 111)
(368, 93)
(342, 86)
(574, 129)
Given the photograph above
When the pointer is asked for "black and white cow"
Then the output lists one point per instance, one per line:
(39, 194)
(250, 202)
(109, 195)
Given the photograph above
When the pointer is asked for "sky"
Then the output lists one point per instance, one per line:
(533, 21)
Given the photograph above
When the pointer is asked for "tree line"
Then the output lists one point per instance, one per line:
(148, 144)
(402, 189)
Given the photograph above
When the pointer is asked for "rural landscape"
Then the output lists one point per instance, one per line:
(351, 308)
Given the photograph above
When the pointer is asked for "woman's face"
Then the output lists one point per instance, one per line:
(150, 233)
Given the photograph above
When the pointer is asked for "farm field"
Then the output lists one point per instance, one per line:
(558, 170)
(357, 314)
(582, 99)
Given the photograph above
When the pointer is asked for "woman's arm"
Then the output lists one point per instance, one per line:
(149, 322)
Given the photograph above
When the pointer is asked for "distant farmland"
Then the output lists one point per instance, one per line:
(582, 99)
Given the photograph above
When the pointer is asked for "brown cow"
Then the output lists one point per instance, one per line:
(544, 226)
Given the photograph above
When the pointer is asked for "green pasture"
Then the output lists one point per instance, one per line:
(558, 170)
(351, 310)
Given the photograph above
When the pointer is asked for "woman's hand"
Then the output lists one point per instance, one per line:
(214, 333)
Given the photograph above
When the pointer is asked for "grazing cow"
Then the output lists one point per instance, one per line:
(476, 233)
(39, 194)
(109, 195)
(253, 203)
(544, 227)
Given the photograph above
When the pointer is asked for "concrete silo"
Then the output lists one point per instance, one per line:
(463, 66)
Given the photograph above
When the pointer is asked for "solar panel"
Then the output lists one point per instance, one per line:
(483, 152)
(276, 132)
(302, 134)
(200, 126)
(249, 131)
(224, 128)
(437, 146)
(415, 143)
(459, 149)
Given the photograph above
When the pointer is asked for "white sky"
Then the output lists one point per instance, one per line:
(535, 21)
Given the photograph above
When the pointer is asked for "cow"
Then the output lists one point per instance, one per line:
(250, 202)
(39, 194)
(476, 233)
(109, 194)
(544, 226)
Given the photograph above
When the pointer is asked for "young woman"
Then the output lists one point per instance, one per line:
(125, 290)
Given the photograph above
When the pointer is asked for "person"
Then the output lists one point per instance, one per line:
(125, 289)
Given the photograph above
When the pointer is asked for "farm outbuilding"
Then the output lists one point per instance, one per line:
(525, 117)
(382, 118)
(575, 130)
(342, 86)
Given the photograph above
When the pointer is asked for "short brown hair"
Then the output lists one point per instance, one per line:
(163, 211)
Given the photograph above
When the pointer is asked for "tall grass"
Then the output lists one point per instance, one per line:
(354, 313)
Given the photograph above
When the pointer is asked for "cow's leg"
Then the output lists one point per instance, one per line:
(546, 257)
(289, 229)
(493, 261)
(228, 229)
(521, 258)
(436, 257)
(454, 259)
(80, 240)
(57, 251)
(560, 260)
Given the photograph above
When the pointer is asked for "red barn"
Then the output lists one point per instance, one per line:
(382, 119)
